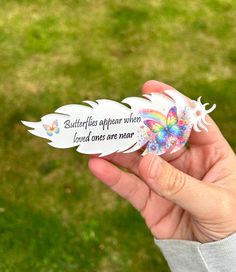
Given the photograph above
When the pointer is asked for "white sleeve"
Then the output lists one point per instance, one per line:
(188, 256)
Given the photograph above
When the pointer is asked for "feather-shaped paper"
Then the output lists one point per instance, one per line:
(161, 122)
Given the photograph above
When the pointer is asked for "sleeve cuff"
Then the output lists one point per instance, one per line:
(185, 256)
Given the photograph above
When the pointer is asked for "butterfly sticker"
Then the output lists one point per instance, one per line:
(165, 131)
(53, 128)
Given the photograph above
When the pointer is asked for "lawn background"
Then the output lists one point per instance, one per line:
(54, 216)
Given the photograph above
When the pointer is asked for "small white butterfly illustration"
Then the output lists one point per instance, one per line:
(53, 128)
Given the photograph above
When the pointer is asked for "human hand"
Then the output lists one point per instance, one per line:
(188, 195)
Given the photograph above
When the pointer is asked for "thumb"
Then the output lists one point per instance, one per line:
(199, 198)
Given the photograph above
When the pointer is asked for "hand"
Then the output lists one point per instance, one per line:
(188, 195)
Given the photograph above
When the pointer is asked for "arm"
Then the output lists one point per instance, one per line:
(185, 256)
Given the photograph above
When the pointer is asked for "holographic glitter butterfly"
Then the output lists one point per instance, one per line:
(165, 131)
(53, 128)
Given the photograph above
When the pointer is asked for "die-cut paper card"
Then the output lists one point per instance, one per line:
(160, 121)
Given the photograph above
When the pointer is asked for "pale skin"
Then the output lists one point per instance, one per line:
(188, 195)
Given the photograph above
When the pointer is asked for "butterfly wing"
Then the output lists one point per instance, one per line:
(172, 117)
(55, 127)
(175, 131)
(48, 130)
(159, 130)
(172, 123)
(154, 126)
(162, 137)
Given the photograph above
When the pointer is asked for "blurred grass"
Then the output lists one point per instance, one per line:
(54, 216)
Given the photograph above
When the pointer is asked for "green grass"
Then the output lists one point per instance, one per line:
(54, 216)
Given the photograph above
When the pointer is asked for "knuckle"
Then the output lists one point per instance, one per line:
(131, 193)
(117, 181)
(175, 182)
(134, 187)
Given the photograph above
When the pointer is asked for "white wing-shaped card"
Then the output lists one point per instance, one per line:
(160, 122)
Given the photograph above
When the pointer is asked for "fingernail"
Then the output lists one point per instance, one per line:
(153, 168)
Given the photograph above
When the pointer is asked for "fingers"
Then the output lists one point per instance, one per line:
(133, 189)
(125, 184)
(213, 135)
(196, 138)
(128, 160)
(153, 86)
(198, 198)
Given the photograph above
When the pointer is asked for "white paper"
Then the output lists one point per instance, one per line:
(161, 122)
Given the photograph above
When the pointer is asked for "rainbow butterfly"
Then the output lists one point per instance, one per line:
(53, 128)
(164, 129)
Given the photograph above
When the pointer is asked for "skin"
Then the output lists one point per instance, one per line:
(188, 195)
